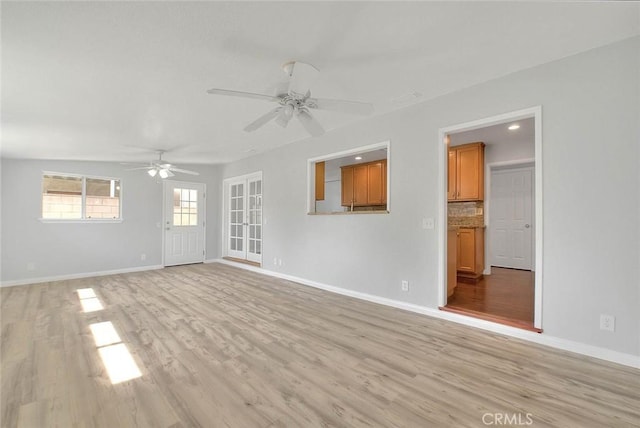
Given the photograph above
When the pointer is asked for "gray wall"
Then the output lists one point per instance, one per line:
(509, 151)
(75, 248)
(590, 184)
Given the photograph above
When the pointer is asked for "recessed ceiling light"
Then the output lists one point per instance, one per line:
(514, 127)
(358, 157)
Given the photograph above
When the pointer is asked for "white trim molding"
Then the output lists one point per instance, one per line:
(311, 177)
(536, 113)
(530, 336)
(39, 280)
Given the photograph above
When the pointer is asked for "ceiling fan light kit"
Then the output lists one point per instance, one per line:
(162, 169)
(297, 101)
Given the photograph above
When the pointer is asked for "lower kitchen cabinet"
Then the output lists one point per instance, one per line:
(470, 262)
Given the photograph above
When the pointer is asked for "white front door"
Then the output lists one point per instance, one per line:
(244, 218)
(511, 218)
(184, 226)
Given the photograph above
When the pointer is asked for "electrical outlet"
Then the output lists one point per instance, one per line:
(607, 322)
(279, 262)
(143, 256)
(275, 261)
(405, 285)
(31, 266)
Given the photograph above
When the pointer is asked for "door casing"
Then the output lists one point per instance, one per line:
(247, 178)
(201, 217)
(533, 112)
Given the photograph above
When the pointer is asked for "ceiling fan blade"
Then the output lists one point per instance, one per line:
(352, 107)
(243, 94)
(302, 76)
(285, 115)
(184, 171)
(312, 126)
(282, 119)
(139, 168)
(262, 120)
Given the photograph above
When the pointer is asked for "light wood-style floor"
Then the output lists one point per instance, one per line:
(223, 347)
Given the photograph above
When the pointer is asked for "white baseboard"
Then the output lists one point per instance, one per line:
(27, 281)
(539, 338)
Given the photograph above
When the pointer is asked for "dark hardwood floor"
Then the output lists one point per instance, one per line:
(506, 296)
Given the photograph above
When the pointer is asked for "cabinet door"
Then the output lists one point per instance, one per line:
(451, 174)
(360, 185)
(319, 181)
(466, 250)
(375, 191)
(384, 181)
(469, 173)
(347, 186)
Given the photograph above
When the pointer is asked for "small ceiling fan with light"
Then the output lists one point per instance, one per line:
(297, 101)
(162, 169)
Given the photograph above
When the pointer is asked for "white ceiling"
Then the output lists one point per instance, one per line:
(98, 80)
(497, 134)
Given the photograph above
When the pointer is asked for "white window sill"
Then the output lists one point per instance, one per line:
(350, 212)
(81, 220)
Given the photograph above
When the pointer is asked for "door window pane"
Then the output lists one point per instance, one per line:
(185, 207)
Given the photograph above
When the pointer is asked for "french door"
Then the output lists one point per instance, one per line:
(244, 218)
(184, 227)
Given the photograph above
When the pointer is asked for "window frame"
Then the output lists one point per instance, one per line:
(311, 178)
(83, 208)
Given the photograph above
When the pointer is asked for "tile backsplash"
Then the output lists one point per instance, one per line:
(466, 213)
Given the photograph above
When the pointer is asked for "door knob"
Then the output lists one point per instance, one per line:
(527, 226)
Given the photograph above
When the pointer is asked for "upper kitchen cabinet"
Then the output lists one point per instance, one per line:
(364, 184)
(466, 172)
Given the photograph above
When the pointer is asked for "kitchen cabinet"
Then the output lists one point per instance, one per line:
(364, 184)
(452, 259)
(466, 172)
(320, 168)
(470, 252)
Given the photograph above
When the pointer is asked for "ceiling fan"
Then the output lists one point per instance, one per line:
(297, 101)
(162, 168)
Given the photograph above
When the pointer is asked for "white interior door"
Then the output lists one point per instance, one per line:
(511, 218)
(184, 226)
(244, 218)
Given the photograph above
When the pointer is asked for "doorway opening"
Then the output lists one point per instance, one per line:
(242, 231)
(492, 224)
